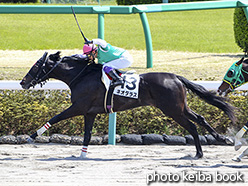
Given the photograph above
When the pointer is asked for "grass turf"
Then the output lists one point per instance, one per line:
(194, 31)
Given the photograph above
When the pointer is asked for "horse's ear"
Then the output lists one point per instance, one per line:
(58, 53)
(43, 58)
(56, 56)
(240, 61)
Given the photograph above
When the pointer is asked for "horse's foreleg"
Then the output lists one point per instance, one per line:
(68, 113)
(88, 123)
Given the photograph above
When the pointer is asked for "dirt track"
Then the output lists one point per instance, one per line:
(55, 164)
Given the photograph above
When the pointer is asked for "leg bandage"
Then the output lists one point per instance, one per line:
(43, 129)
(84, 152)
(238, 136)
(84, 149)
(242, 132)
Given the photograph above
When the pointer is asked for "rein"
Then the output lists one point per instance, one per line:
(51, 68)
(79, 74)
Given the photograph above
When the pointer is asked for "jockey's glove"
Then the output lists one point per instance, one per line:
(88, 42)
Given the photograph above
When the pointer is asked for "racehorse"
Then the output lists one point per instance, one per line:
(235, 76)
(165, 91)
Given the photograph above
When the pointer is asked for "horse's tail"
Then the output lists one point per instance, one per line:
(210, 97)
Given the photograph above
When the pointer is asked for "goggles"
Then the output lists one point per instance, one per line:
(234, 76)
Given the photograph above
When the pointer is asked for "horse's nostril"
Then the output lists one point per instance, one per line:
(22, 82)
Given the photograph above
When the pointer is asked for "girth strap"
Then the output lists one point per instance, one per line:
(109, 99)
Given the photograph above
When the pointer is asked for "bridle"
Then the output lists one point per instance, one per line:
(236, 80)
(42, 80)
(42, 70)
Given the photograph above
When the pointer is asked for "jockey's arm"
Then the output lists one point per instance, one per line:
(100, 42)
(79, 56)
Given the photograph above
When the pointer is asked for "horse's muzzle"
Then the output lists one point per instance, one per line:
(24, 85)
(219, 92)
(224, 93)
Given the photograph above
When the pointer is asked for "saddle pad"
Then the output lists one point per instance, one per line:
(130, 88)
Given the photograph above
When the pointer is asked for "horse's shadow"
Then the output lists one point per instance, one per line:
(74, 158)
(214, 166)
(188, 157)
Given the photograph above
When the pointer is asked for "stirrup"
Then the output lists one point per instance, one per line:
(118, 82)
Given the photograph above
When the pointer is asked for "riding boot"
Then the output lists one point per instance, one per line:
(117, 80)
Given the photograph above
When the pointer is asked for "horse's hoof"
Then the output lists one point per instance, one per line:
(30, 140)
(237, 145)
(236, 159)
(198, 156)
(229, 141)
(83, 156)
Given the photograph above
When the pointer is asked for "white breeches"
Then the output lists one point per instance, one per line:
(123, 62)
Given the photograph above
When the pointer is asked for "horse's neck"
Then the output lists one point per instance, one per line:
(245, 71)
(69, 74)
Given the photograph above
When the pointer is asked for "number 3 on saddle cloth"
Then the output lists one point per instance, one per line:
(130, 89)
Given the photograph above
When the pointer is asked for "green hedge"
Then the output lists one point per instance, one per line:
(23, 112)
(240, 29)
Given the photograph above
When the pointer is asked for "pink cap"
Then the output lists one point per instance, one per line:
(88, 48)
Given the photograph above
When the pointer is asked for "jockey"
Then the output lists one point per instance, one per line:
(109, 56)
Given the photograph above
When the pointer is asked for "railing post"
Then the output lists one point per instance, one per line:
(101, 26)
(246, 12)
(112, 129)
(148, 39)
(112, 116)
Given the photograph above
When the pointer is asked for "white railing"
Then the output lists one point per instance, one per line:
(15, 85)
(58, 85)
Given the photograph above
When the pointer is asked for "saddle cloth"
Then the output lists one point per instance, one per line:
(130, 88)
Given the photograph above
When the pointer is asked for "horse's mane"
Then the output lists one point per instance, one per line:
(74, 59)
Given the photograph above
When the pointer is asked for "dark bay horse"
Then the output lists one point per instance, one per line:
(165, 91)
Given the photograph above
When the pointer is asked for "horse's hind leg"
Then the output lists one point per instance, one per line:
(191, 128)
(201, 121)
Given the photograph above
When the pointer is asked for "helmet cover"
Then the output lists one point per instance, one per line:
(88, 48)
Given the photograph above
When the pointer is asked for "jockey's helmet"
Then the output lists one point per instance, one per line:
(88, 48)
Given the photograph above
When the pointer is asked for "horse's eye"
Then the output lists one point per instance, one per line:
(35, 69)
(230, 73)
